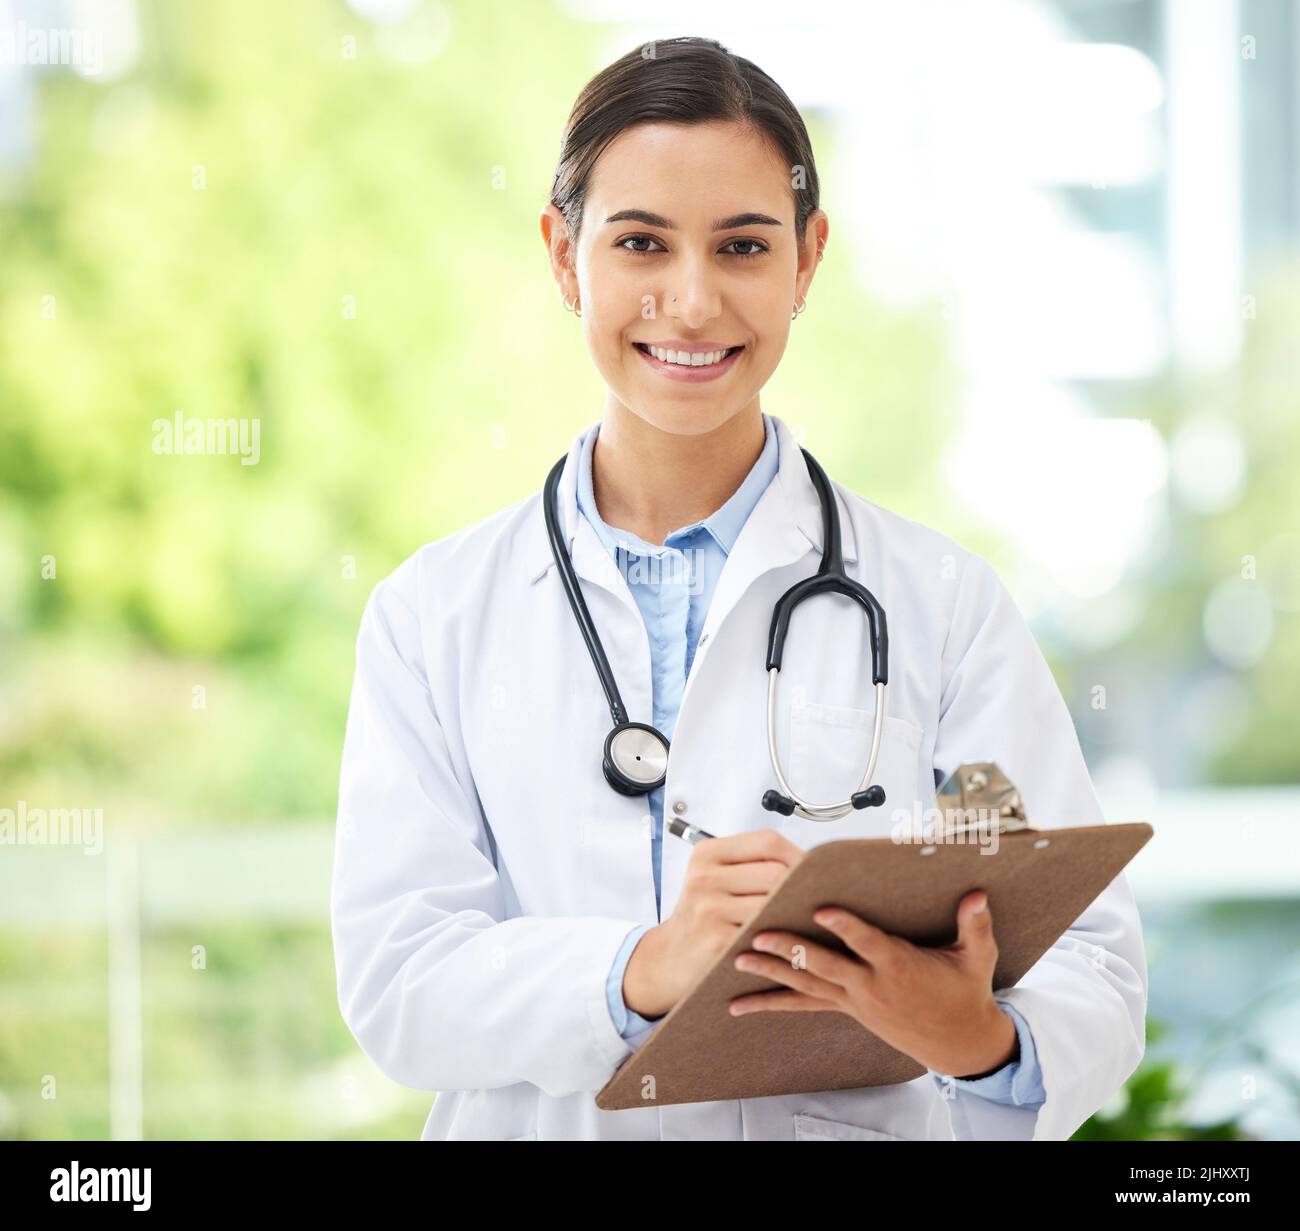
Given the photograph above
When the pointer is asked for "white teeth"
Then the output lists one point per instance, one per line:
(686, 359)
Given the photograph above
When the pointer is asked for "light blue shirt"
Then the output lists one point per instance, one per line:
(673, 583)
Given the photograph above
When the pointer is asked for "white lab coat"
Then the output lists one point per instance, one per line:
(486, 874)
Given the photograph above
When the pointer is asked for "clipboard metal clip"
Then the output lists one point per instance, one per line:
(979, 794)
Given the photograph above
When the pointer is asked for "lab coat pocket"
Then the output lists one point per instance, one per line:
(829, 749)
(814, 1128)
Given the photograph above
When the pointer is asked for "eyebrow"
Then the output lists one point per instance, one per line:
(719, 224)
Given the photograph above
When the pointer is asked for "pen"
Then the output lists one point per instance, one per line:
(691, 833)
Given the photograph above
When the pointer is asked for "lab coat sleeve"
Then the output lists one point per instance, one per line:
(441, 990)
(1085, 999)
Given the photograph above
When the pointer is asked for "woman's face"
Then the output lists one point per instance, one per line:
(687, 238)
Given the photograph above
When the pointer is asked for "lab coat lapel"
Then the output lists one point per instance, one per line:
(784, 526)
(614, 835)
(591, 561)
(783, 532)
(708, 723)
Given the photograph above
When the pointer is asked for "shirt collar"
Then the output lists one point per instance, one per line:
(724, 524)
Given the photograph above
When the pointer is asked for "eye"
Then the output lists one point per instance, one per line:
(636, 239)
(758, 245)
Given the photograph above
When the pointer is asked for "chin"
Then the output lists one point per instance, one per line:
(696, 420)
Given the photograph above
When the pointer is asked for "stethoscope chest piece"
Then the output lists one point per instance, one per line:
(636, 758)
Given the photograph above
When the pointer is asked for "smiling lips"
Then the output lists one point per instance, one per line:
(689, 361)
(692, 354)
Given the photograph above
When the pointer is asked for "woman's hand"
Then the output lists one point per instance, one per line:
(727, 880)
(935, 1005)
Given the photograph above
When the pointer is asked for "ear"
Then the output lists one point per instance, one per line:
(816, 230)
(560, 251)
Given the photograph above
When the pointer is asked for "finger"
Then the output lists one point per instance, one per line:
(975, 925)
(872, 944)
(781, 971)
(753, 844)
(739, 908)
(755, 876)
(782, 1000)
(828, 964)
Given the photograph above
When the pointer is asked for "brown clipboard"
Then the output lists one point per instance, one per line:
(1038, 883)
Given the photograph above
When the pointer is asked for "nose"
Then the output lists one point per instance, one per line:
(693, 296)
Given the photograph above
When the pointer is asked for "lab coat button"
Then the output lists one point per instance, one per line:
(679, 806)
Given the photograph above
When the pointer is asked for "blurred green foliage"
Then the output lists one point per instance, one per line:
(251, 1045)
(407, 193)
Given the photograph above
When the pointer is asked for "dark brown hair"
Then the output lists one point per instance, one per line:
(680, 81)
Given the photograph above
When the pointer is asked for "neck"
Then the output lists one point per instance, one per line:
(650, 482)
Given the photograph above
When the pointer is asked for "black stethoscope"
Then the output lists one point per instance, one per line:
(636, 755)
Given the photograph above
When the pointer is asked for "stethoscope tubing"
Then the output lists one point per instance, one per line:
(830, 576)
(617, 711)
(820, 812)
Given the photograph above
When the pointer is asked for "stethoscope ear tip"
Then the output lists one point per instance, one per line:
(774, 801)
(872, 797)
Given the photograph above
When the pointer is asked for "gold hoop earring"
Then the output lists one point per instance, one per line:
(575, 307)
(799, 308)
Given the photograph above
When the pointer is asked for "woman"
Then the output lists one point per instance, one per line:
(508, 929)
